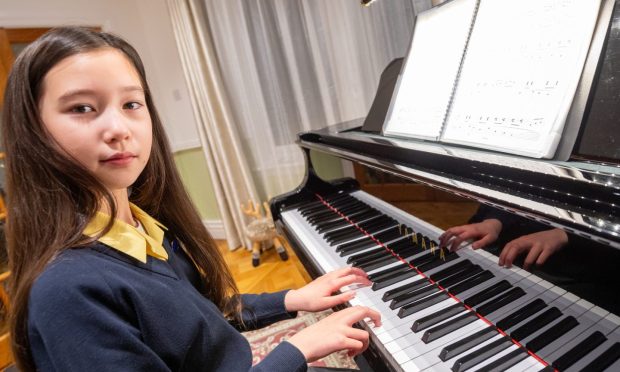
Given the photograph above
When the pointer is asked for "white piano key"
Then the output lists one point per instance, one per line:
(419, 349)
(587, 315)
(430, 358)
(593, 323)
(495, 357)
(562, 302)
(609, 324)
(528, 364)
(403, 328)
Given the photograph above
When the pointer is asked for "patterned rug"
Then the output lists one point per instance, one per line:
(264, 340)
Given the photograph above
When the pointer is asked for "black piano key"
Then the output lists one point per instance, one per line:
(449, 327)
(388, 235)
(487, 293)
(374, 262)
(368, 255)
(312, 207)
(339, 233)
(409, 287)
(471, 283)
(409, 297)
(579, 351)
(552, 333)
(521, 314)
(317, 212)
(334, 237)
(480, 355)
(346, 249)
(501, 301)
(506, 361)
(394, 278)
(462, 345)
(353, 212)
(438, 261)
(370, 227)
(421, 260)
(380, 274)
(321, 216)
(609, 357)
(416, 306)
(535, 324)
(462, 276)
(388, 275)
(436, 317)
(377, 262)
(339, 221)
(451, 270)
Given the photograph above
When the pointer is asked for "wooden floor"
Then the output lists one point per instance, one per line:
(274, 274)
(271, 275)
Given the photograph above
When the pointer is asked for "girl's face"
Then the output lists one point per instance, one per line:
(93, 105)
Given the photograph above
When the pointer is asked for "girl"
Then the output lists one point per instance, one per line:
(145, 289)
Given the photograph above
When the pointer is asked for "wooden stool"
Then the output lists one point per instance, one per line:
(262, 229)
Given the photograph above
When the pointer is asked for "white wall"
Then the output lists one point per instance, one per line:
(146, 25)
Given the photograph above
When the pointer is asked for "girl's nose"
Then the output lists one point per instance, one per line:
(116, 127)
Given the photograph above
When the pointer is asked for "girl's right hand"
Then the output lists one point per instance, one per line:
(335, 333)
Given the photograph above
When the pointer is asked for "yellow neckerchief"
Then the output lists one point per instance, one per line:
(129, 239)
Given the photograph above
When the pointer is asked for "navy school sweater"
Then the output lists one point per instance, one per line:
(97, 309)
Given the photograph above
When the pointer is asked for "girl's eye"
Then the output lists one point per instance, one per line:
(132, 105)
(82, 109)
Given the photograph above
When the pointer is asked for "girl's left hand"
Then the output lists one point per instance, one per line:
(319, 294)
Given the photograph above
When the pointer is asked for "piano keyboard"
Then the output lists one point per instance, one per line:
(461, 312)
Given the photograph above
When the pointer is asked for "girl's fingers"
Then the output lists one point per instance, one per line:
(348, 270)
(444, 239)
(354, 346)
(358, 334)
(486, 240)
(531, 257)
(356, 313)
(456, 242)
(338, 299)
(349, 279)
(509, 253)
(544, 255)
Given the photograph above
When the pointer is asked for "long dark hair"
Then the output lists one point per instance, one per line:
(51, 197)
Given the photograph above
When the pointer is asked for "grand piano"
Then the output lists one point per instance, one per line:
(458, 311)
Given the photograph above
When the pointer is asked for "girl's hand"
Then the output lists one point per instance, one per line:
(540, 246)
(335, 333)
(483, 234)
(318, 294)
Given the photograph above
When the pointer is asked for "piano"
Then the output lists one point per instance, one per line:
(459, 311)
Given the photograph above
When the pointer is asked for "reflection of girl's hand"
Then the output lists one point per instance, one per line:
(319, 294)
(335, 333)
(483, 234)
(539, 247)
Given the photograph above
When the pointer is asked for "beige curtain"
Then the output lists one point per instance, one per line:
(220, 142)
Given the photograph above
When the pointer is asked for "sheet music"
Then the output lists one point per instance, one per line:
(427, 81)
(520, 73)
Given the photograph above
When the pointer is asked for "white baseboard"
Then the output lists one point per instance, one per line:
(215, 228)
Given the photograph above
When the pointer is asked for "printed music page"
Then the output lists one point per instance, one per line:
(426, 83)
(520, 73)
